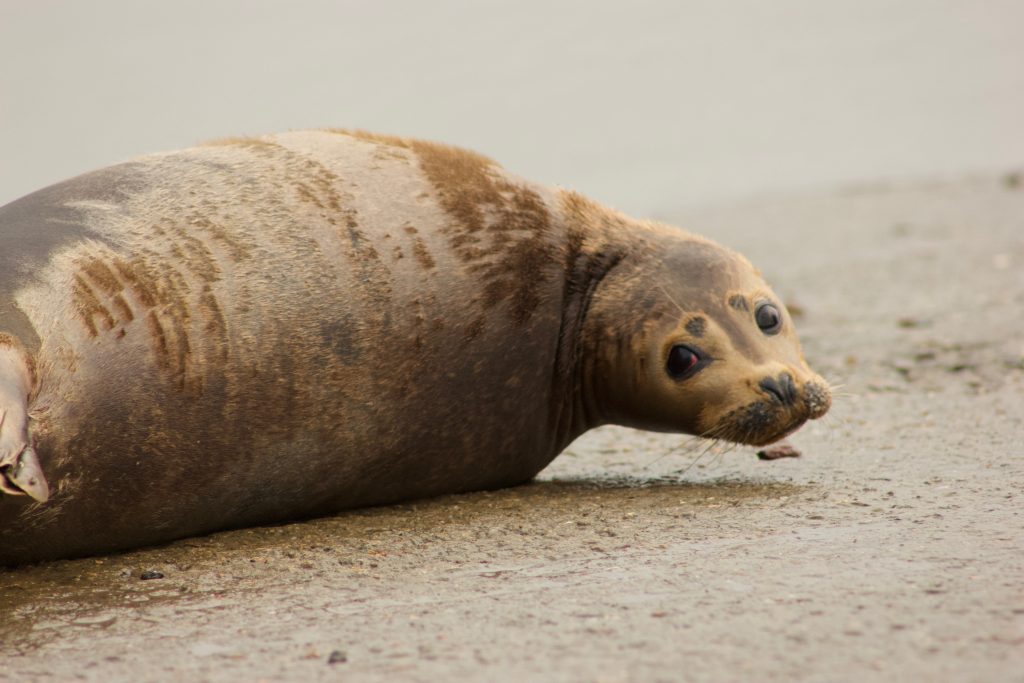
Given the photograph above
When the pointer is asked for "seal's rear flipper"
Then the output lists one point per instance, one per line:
(20, 471)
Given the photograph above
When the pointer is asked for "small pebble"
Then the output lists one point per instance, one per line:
(912, 323)
(151, 574)
(781, 450)
(337, 657)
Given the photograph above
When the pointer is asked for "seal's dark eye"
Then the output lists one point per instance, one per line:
(768, 318)
(681, 361)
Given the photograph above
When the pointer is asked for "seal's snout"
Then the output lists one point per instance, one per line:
(818, 399)
(783, 403)
(783, 391)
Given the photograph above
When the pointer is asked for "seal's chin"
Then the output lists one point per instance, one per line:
(757, 424)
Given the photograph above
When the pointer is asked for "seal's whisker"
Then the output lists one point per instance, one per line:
(832, 425)
(712, 446)
(686, 469)
(689, 445)
(717, 460)
(720, 457)
(669, 297)
(699, 457)
(834, 388)
(835, 422)
(711, 443)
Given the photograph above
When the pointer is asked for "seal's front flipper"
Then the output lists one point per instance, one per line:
(20, 471)
(24, 476)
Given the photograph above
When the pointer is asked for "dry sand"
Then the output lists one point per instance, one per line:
(892, 550)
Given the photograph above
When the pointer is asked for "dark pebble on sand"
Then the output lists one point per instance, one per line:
(912, 323)
(782, 450)
(151, 574)
(337, 657)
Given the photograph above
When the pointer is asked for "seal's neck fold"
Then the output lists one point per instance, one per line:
(593, 251)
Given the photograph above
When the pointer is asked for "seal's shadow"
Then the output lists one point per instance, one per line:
(533, 507)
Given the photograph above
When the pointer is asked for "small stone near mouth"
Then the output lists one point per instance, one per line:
(779, 450)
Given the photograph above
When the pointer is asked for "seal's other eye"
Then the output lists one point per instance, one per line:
(768, 318)
(682, 361)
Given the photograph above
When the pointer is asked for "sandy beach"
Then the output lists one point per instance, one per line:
(892, 549)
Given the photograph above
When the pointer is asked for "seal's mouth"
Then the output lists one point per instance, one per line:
(757, 424)
(768, 420)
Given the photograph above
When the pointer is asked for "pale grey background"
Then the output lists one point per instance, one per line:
(648, 105)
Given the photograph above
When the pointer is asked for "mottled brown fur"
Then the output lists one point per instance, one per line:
(422, 254)
(499, 227)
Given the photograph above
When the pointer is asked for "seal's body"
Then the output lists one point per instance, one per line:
(268, 328)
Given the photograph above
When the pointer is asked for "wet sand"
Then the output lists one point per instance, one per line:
(891, 550)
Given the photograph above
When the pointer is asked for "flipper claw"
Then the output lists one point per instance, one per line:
(25, 477)
(20, 471)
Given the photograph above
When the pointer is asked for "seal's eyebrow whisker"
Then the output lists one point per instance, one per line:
(669, 297)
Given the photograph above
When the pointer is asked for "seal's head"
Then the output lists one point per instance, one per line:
(693, 340)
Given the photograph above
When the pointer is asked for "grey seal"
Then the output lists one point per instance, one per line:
(270, 328)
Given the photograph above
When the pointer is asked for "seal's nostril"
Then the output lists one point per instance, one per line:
(788, 388)
(771, 386)
(782, 389)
